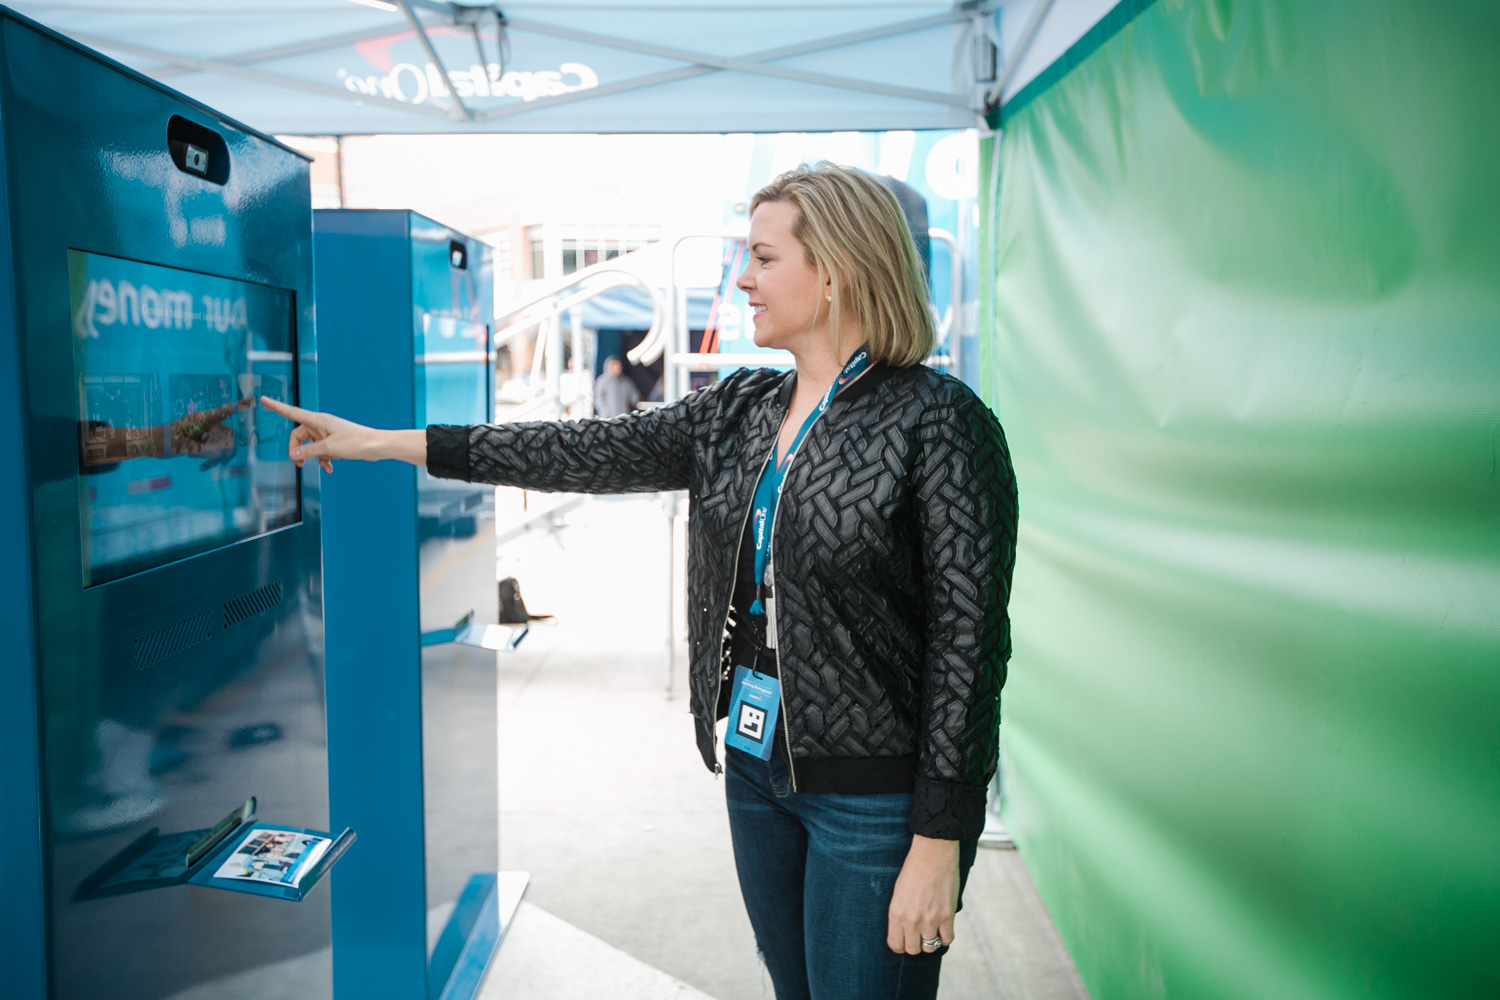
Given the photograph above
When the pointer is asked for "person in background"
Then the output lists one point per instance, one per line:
(849, 568)
(614, 392)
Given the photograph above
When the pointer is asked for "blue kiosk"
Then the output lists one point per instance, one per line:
(404, 306)
(162, 685)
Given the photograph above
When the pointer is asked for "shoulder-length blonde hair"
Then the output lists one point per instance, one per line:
(853, 231)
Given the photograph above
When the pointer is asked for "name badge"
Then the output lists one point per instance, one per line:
(752, 713)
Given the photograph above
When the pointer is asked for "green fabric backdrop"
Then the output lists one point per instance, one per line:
(1244, 335)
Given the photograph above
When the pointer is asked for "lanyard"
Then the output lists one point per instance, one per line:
(768, 490)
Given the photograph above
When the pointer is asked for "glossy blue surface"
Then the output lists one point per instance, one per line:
(176, 458)
(23, 951)
(161, 698)
(402, 336)
(468, 942)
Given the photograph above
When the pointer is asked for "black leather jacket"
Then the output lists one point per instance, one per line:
(893, 548)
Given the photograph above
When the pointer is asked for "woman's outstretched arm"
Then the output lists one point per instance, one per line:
(646, 451)
(641, 452)
(325, 437)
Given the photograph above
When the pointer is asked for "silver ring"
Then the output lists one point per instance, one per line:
(932, 944)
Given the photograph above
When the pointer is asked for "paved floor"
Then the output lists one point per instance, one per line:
(604, 800)
(547, 957)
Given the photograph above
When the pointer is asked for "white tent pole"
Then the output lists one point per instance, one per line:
(722, 62)
(862, 35)
(700, 68)
(1035, 22)
(755, 62)
(845, 83)
(434, 13)
(684, 338)
(765, 55)
(619, 86)
(278, 51)
(553, 326)
(669, 505)
(253, 75)
(702, 63)
(460, 110)
(954, 333)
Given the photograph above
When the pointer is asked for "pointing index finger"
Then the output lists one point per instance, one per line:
(296, 413)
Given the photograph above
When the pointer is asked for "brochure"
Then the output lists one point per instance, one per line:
(164, 859)
(277, 857)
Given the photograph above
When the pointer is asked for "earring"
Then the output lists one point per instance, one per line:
(828, 298)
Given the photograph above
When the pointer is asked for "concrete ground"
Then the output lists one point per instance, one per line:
(604, 800)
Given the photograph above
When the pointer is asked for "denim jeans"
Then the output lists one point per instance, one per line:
(817, 872)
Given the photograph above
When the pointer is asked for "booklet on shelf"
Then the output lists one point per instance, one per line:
(277, 857)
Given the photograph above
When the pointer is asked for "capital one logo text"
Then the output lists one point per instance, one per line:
(413, 84)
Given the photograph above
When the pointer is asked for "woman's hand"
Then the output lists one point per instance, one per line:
(325, 437)
(926, 896)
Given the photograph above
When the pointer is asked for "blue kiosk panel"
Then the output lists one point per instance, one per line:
(404, 310)
(159, 555)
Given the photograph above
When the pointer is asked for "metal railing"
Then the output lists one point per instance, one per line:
(543, 313)
(950, 328)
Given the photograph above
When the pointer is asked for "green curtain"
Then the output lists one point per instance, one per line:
(1243, 303)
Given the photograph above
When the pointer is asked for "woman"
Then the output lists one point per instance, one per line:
(852, 535)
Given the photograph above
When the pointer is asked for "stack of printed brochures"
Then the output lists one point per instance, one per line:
(279, 857)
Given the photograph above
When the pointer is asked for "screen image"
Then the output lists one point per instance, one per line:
(176, 456)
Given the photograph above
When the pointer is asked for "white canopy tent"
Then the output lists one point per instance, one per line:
(421, 66)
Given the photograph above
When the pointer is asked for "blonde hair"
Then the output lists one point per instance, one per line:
(853, 231)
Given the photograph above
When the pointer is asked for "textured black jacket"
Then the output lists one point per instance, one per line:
(893, 547)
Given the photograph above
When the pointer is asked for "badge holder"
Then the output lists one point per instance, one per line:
(752, 713)
(193, 857)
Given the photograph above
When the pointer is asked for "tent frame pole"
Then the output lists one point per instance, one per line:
(196, 65)
(755, 63)
(699, 63)
(1028, 34)
(460, 111)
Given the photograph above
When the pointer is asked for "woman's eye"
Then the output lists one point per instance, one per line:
(764, 260)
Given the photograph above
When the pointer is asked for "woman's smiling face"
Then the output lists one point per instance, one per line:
(786, 295)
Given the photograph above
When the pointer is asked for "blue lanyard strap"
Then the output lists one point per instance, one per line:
(768, 490)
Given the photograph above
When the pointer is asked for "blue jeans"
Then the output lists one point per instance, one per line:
(817, 872)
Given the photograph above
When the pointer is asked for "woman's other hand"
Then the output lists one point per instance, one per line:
(325, 437)
(926, 896)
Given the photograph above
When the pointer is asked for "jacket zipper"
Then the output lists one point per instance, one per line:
(739, 541)
(772, 639)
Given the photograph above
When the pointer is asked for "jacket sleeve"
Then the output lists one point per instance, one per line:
(637, 453)
(965, 494)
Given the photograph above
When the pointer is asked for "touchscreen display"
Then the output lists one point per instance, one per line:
(175, 455)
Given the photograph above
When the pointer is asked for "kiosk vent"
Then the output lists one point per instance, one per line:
(153, 647)
(251, 604)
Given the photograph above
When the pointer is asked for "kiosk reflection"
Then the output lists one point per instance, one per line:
(115, 428)
(176, 456)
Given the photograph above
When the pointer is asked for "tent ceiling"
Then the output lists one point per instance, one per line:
(343, 66)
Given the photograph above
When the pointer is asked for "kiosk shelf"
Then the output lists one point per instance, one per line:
(198, 857)
(467, 632)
